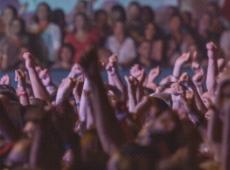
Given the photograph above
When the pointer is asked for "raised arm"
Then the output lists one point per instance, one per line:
(38, 89)
(153, 74)
(85, 109)
(21, 87)
(212, 70)
(113, 75)
(108, 129)
(179, 64)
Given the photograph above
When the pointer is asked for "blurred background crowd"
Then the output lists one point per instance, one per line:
(136, 33)
(114, 106)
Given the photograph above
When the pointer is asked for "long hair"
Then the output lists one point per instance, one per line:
(49, 11)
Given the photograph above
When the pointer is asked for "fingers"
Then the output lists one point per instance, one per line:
(211, 46)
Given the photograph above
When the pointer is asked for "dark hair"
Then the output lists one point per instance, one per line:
(83, 2)
(13, 9)
(48, 10)
(98, 13)
(70, 47)
(147, 13)
(85, 17)
(58, 18)
(158, 34)
(121, 10)
(22, 23)
(134, 3)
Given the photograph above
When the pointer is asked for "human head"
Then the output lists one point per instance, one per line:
(150, 31)
(81, 22)
(66, 53)
(9, 13)
(82, 6)
(101, 17)
(18, 26)
(204, 22)
(43, 12)
(134, 11)
(175, 23)
(118, 13)
(147, 14)
(144, 49)
(58, 17)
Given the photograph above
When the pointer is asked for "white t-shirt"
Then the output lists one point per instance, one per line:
(125, 51)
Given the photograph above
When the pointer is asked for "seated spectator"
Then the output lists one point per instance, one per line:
(9, 13)
(144, 53)
(58, 18)
(147, 14)
(101, 26)
(121, 45)
(134, 23)
(65, 57)
(11, 44)
(49, 32)
(117, 13)
(82, 37)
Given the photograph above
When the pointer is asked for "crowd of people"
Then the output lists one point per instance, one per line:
(137, 34)
(126, 122)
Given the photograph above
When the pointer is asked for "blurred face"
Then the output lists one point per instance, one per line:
(119, 28)
(8, 15)
(144, 49)
(205, 22)
(157, 51)
(213, 10)
(42, 12)
(16, 27)
(175, 24)
(133, 12)
(102, 19)
(81, 7)
(80, 22)
(66, 55)
(150, 31)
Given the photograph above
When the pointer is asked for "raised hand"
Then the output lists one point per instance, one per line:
(212, 49)
(153, 74)
(45, 77)
(176, 89)
(5, 80)
(198, 77)
(112, 64)
(131, 82)
(75, 71)
(138, 72)
(183, 58)
(29, 63)
(64, 89)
